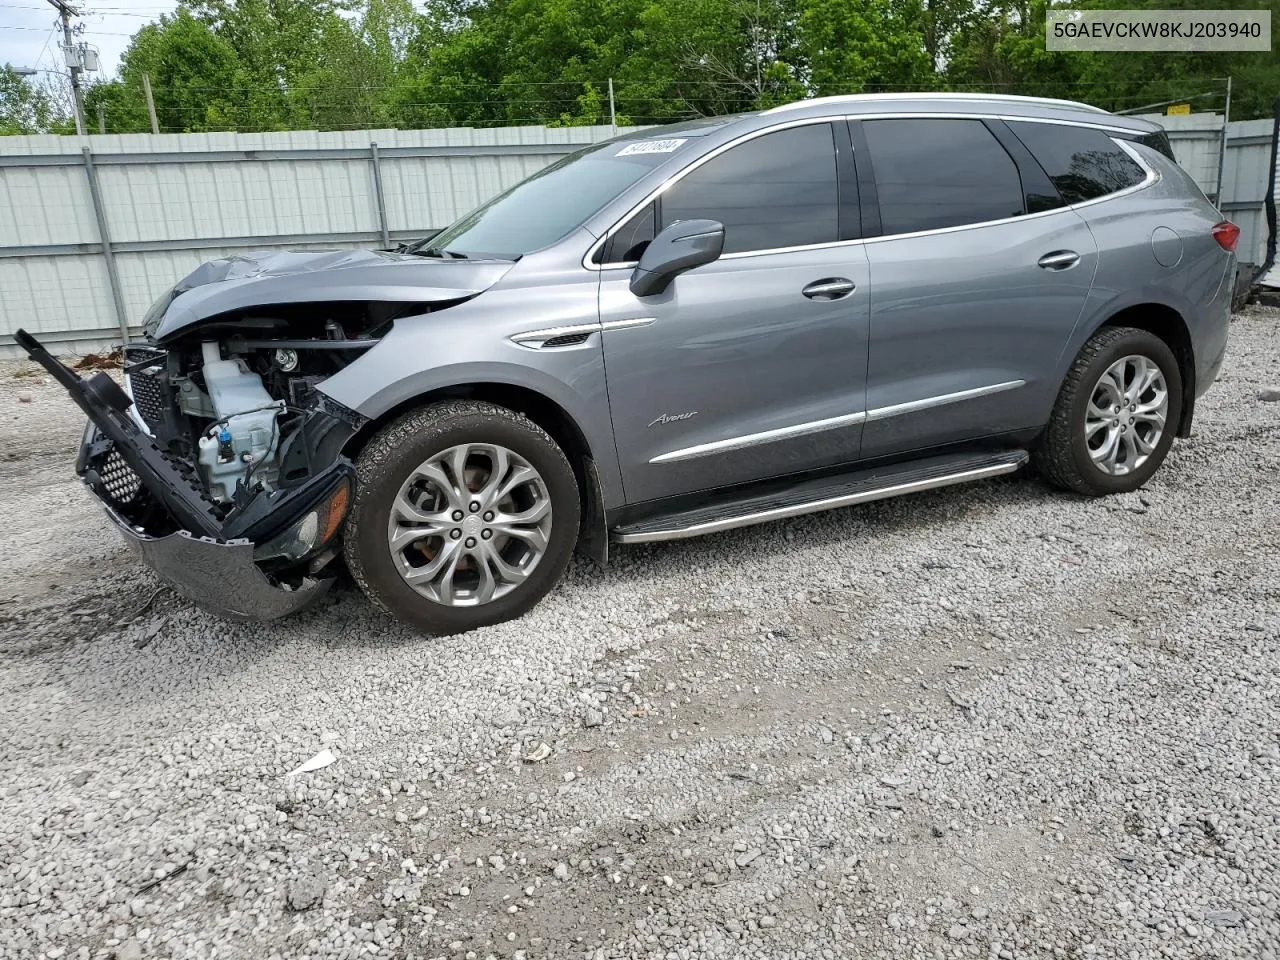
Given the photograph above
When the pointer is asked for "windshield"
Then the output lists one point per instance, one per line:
(547, 206)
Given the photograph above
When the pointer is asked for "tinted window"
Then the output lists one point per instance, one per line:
(1083, 163)
(548, 205)
(629, 241)
(1158, 141)
(778, 190)
(940, 173)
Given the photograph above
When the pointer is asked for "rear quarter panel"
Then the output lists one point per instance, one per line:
(1198, 285)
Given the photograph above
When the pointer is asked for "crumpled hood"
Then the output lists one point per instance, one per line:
(263, 279)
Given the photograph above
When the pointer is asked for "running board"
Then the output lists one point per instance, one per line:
(828, 493)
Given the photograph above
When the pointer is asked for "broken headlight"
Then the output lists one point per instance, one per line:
(310, 532)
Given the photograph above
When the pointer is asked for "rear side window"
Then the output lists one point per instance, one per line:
(1083, 163)
(934, 173)
(777, 190)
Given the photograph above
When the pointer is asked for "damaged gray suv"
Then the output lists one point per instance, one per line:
(675, 332)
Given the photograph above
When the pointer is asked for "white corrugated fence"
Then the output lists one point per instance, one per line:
(75, 267)
(167, 203)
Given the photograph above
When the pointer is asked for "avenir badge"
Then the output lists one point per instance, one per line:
(673, 417)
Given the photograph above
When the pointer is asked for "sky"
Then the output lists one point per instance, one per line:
(28, 37)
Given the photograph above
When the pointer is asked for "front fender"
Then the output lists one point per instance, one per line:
(423, 355)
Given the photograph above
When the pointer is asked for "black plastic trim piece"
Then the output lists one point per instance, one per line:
(1035, 181)
(188, 506)
(261, 515)
(850, 218)
(868, 198)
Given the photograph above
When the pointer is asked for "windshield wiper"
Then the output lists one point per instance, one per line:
(439, 253)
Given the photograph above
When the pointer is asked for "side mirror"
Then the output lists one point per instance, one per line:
(682, 246)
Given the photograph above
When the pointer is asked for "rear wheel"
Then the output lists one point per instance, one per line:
(466, 515)
(1116, 414)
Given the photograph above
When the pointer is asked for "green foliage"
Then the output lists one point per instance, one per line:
(1002, 47)
(339, 64)
(25, 107)
(860, 48)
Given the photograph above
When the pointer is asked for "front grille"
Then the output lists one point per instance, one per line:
(146, 375)
(148, 395)
(118, 479)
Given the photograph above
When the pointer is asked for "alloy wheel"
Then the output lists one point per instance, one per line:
(469, 524)
(1126, 415)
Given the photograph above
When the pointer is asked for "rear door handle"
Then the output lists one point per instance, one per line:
(1059, 260)
(832, 288)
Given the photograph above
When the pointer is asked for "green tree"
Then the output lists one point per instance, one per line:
(193, 73)
(24, 106)
(847, 48)
(1119, 81)
(1001, 49)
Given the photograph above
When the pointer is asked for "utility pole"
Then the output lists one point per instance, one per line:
(73, 60)
(151, 103)
(613, 109)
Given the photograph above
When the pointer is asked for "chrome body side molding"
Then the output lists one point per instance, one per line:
(897, 409)
(831, 423)
(765, 436)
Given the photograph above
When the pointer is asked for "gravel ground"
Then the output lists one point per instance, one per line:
(990, 721)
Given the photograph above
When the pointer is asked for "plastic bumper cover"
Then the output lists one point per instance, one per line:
(220, 576)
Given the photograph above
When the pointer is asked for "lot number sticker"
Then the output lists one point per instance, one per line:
(650, 146)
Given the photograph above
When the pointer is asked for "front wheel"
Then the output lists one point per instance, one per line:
(1115, 416)
(465, 516)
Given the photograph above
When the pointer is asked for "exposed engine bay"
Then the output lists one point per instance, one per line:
(233, 399)
(222, 460)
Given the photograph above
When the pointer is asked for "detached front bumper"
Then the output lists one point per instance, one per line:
(258, 558)
(221, 577)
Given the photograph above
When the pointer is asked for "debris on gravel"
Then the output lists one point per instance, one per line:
(990, 721)
(304, 893)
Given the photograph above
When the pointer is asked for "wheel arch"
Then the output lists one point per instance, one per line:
(593, 536)
(1163, 321)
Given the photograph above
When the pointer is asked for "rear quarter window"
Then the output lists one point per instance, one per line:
(1082, 162)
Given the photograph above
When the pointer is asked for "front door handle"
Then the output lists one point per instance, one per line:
(1059, 260)
(832, 288)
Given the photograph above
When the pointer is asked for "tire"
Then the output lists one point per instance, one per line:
(1068, 458)
(391, 484)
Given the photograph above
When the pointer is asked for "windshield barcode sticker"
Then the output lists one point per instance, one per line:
(650, 146)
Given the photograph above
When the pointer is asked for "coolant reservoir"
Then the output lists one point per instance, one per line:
(248, 433)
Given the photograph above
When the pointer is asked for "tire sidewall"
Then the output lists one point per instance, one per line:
(1137, 342)
(366, 529)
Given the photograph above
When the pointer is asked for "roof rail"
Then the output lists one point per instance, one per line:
(979, 97)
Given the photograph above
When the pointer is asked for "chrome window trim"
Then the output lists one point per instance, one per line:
(1153, 176)
(914, 406)
(755, 439)
(831, 423)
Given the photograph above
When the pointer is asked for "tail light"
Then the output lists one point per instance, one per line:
(1227, 234)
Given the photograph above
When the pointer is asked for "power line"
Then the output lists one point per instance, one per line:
(101, 33)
